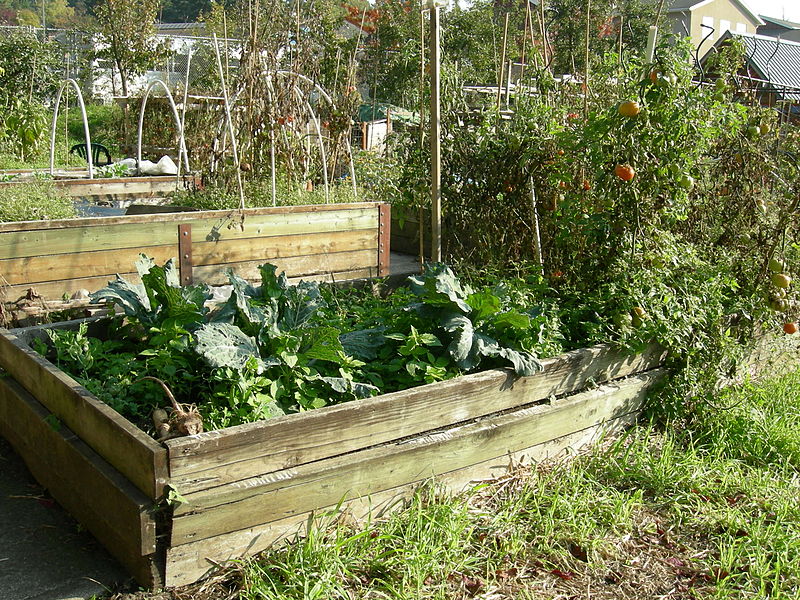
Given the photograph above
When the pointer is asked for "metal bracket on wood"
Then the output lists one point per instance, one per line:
(384, 239)
(185, 254)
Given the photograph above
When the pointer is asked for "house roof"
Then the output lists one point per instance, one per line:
(777, 61)
(780, 22)
(690, 5)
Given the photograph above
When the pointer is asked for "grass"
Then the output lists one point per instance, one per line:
(33, 201)
(705, 507)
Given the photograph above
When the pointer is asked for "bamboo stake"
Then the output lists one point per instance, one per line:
(420, 210)
(525, 39)
(544, 34)
(502, 63)
(436, 134)
(586, 78)
(230, 127)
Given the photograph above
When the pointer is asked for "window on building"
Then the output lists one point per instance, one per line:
(741, 28)
(723, 27)
(707, 22)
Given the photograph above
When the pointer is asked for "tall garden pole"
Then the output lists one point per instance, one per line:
(436, 135)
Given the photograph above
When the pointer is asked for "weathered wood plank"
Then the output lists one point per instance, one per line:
(189, 562)
(282, 246)
(294, 266)
(219, 457)
(308, 487)
(55, 290)
(79, 265)
(251, 214)
(128, 449)
(38, 238)
(58, 267)
(107, 504)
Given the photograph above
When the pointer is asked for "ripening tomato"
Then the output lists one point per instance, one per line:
(586, 185)
(629, 109)
(624, 172)
(790, 328)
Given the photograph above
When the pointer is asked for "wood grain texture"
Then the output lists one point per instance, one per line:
(97, 495)
(220, 457)
(128, 449)
(284, 494)
(189, 562)
(283, 246)
(294, 266)
(80, 265)
(251, 215)
(45, 238)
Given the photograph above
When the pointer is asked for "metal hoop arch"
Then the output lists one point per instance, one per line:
(87, 137)
(178, 124)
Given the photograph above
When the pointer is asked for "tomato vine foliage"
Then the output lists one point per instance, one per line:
(687, 238)
(277, 348)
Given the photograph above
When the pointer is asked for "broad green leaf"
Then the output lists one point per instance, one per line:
(484, 304)
(439, 286)
(512, 320)
(363, 344)
(298, 305)
(462, 337)
(322, 343)
(225, 345)
(131, 297)
(525, 363)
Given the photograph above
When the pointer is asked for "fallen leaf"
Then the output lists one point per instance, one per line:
(578, 552)
(565, 575)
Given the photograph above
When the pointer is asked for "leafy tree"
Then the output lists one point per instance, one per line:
(29, 68)
(183, 11)
(566, 26)
(126, 29)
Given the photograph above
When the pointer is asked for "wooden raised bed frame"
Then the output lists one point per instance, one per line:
(328, 241)
(250, 485)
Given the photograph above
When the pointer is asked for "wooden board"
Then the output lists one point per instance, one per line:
(330, 265)
(128, 449)
(188, 562)
(283, 246)
(56, 289)
(41, 238)
(281, 495)
(112, 509)
(220, 457)
(221, 215)
(78, 265)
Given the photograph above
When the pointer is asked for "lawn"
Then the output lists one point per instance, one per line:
(705, 506)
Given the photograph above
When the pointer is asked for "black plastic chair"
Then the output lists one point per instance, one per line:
(97, 150)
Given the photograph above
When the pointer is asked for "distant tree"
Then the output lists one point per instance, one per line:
(31, 68)
(183, 11)
(126, 29)
(566, 25)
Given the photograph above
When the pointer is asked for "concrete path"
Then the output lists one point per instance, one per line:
(44, 555)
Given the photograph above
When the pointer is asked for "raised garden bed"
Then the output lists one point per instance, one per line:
(247, 486)
(118, 190)
(330, 241)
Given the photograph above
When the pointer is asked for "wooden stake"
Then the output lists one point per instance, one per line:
(586, 78)
(502, 63)
(421, 211)
(436, 134)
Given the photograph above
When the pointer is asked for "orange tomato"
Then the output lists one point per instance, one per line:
(629, 109)
(624, 172)
(790, 328)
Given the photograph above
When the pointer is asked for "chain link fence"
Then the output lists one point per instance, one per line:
(190, 62)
